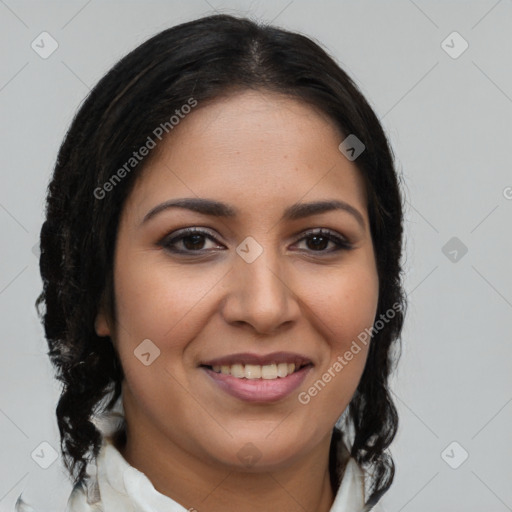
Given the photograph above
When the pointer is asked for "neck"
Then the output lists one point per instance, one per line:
(304, 485)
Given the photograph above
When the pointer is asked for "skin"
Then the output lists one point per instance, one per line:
(259, 152)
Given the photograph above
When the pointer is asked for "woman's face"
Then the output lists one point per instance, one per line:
(251, 292)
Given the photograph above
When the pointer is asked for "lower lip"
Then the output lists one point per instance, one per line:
(259, 390)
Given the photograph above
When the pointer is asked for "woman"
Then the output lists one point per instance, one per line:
(222, 280)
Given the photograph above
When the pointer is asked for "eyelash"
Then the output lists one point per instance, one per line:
(168, 243)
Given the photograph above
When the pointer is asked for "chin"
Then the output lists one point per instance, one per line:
(258, 455)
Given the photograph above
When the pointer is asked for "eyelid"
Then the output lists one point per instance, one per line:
(186, 232)
(323, 232)
(341, 242)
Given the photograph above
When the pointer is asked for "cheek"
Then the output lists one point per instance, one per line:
(166, 301)
(346, 304)
(346, 318)
(163, 303)
(161, 300)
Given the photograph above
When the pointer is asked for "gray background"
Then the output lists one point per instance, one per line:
(449, 121)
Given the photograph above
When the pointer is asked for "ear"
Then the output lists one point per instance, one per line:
(101, 325)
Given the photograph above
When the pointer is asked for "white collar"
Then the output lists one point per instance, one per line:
(113, 485)
(123, 488)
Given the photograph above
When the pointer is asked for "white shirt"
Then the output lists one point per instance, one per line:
(116, 486)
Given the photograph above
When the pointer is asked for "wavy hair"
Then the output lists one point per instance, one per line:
(204, 59)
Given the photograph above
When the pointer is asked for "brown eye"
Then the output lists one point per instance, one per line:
(191, 240)
(318, 240)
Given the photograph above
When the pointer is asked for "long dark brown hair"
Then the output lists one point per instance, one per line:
(201, 59)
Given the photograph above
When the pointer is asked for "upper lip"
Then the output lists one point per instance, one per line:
(249, 358)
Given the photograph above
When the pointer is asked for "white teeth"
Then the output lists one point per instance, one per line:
(237, 370)
(256, 371)
(252, 371)
(282, 369)
(269, 371)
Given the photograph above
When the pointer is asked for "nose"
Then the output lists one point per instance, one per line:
(260, 294)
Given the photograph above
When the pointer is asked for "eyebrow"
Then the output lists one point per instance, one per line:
(219, 209)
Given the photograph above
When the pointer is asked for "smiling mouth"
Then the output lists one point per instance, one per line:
(254, 371)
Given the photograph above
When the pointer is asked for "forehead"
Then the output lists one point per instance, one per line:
(253, 148)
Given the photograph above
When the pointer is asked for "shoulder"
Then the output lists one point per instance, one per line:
(22, 506)
(350, 476)
(77, 502)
